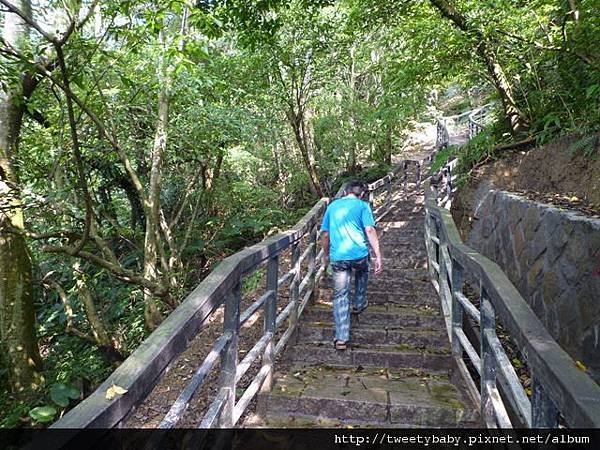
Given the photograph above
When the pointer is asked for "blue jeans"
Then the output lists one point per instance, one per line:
(342, 271)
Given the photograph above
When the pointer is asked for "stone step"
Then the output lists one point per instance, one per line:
(366, 336)
(381, 396)
(403, 291)
(389, 278)
(396, 215)
(400, 246)
(392, 236)
(387, 356)
(416, 225)
(407, 208)
(409, 261)
(415, 222)
(285, 421)
(406, 300)
(390, 316)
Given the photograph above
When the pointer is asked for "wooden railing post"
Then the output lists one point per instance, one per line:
(295, 284)
(488, 364)
(270, 319)
(443, 272)
(544, 413)
(418, 175)
(429, 232)
(405, 175)
(229, 354)
(457, 311)
(312, 256)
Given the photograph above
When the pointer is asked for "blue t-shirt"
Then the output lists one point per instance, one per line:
(345, 219)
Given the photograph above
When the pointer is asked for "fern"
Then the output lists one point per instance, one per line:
(588, 146)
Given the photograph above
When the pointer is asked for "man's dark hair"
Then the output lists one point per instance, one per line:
(356, 187)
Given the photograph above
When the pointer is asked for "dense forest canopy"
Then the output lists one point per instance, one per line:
(142, 141)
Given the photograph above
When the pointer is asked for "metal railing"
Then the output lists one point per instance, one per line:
(223, 287)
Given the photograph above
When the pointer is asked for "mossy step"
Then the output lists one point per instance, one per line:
(363, 336)
(367, 396)
(384, 356)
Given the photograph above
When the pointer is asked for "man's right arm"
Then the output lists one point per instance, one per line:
(374, 241)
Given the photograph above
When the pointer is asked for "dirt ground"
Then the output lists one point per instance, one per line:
(549, 174)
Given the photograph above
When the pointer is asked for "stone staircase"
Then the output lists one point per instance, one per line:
(398, 369)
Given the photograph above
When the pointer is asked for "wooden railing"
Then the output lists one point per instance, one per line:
(477, 119)
(559, 387)
(474, 118)
(445, 179)
(223, 286)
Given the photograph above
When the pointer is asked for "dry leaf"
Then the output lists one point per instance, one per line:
(114, 390)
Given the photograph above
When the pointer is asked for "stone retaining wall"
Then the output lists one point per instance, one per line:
(553, 258)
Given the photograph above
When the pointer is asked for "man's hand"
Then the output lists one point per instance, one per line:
(378, 266)
(374, 241)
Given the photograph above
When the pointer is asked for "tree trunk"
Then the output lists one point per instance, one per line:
(96, 323)
(518, 121)
(17, 315)
(152, 237)
(353, 147)
(297, 121)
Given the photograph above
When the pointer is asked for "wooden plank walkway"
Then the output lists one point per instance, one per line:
(398, 370)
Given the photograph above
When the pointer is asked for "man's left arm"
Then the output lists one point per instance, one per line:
(325, 244)
(374, 241)
(369, 224)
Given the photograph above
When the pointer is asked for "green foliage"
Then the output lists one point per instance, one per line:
(61, 393)
(479, 149)
(588, 146)
(43, 414)
(367, 175)
(442, 157)
(251, 282)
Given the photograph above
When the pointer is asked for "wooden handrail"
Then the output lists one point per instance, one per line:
(559, 386)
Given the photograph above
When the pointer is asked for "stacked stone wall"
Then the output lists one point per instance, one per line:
(552, 256)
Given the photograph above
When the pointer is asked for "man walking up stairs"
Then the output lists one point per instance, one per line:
(397, 372)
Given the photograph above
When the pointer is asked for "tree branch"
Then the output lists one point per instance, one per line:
(122, 274)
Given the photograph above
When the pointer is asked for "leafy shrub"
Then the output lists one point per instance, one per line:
(442, 157)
